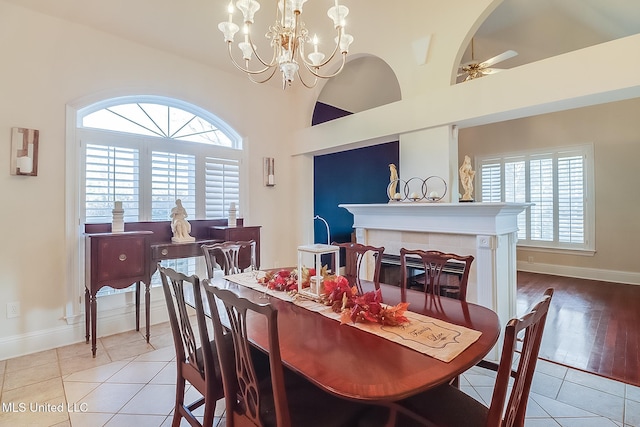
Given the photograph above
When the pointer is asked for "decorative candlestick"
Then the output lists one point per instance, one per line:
(117, 224)
(232, 215)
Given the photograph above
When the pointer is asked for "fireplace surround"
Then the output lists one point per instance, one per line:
(488, 231)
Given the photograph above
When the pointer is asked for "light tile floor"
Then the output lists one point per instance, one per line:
(131, 383)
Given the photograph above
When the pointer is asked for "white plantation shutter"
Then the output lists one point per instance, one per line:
(491, 188)
(173, 176)
(222, 186)
(571, 199)
(111, 173)
(541, 188)
(515, 190)
(557, 183)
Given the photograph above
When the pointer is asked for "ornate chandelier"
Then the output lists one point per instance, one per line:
(288, 38)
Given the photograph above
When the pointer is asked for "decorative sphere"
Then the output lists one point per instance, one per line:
(434, 195)
(397, 196)
(414, 196)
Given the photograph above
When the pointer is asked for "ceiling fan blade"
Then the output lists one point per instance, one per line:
(487, 71)
(468, 64)
(499, 58)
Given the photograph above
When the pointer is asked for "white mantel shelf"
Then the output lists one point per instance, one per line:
(457, 218)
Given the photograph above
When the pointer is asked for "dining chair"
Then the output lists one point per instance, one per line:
(226, 255)
(197, 364)
(448, 406)
(355, 254)
(440, 278)
(282, 398)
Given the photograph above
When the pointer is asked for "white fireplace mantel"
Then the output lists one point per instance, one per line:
(458, 218)
(488, 231)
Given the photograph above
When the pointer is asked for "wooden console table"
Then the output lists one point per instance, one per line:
(119, 260)
(116, 260)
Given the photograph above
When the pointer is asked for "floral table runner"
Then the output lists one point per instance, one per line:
(436, 338)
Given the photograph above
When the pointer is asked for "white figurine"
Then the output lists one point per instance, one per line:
(179, 225)
(393, 181)
(466, 179)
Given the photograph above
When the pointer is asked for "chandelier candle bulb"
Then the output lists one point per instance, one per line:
(230, 10)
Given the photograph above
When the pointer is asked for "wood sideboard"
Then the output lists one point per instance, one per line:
(116, 260)
(119, 260)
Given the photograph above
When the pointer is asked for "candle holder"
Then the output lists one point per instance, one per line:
(117, 224)
(310, 258)
(431, 189)
(435, 188)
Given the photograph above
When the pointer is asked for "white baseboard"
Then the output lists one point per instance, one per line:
(109, 322)
(626, 277)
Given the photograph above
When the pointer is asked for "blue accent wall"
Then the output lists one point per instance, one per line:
(353, 176)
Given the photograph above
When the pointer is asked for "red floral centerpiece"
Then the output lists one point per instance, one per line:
(283, 280)
(367, 307)
(342, 298)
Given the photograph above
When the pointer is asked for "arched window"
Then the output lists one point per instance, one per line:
(148, 151)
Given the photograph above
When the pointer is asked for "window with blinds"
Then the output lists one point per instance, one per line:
(149, 151)
(558, 184)
(222, 186)
(111, 173)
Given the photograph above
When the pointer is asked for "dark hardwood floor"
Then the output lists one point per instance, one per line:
(592, 325)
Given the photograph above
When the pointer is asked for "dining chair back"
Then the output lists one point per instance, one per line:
(280, 398)
(227, 256)
(196, 355)
(355, 255)
(448, 406)
(445, 274)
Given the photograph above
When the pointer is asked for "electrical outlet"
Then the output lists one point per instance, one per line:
(530, 260)
(13, 309)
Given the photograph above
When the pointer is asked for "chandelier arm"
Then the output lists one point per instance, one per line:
(270, 64)
(326, 61)
(315, 73)
(243, 69)
(305, 84)
(273, 71)
(294, 43)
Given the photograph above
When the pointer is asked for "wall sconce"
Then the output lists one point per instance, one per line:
(269, 172)
(24, 151)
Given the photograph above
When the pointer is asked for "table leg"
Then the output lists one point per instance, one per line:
(138, 305)
(147, 306)
(87, 313)
(94, 319)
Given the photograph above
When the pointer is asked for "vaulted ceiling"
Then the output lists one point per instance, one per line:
(535, 29)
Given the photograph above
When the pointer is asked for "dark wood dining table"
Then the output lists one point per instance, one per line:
(357, 365)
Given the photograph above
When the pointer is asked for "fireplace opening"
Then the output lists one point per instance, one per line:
(390, 272)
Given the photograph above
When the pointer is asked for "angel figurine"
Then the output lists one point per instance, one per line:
(466, 179)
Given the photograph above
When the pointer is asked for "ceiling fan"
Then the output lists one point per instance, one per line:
(473, 69)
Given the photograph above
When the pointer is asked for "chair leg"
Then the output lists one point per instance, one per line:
(209, 412)
(391, 421)
(177, 417)
(455, 382)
